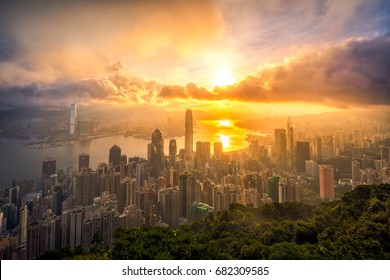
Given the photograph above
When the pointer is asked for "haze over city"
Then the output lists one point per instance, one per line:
(180, 115)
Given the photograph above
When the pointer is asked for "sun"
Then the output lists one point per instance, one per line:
(225, 140)
(225, 123)
(223, 77)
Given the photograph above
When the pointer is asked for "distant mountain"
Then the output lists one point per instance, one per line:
(20, 113)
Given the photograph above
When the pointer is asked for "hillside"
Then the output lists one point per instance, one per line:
(355, 227)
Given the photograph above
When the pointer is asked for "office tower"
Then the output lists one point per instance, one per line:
(73, 119)
(172, 152)
(355, 174)
(157, 153)
(218, 150)
(189, 133)
(48, 168)
(114, 157)
(311, 168)
(290, 142)
(303, 154)
(327, 147)
(203, 150)
(273, 188)
(317, 151)
(326, 183)
(85, 187)
(385, 156)
(169, 199)
(280, 152)
(83, 161)
(183, 187)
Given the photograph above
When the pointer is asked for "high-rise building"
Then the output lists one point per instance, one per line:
(73, 119)
(114, 157)
(85, 187)
(169, 199)
(327, 147)
(280, 153)
(71, 224)
(83, 161)
(311, 168)
(172, 152)
(303, 154)
(326, 183)
(273, 188)
(157, 153)
(48, 168)
(218, 150)
(317, 151)
(290, 142)
(203, 150)
(355, 174)
(385, 156)
(189, 133)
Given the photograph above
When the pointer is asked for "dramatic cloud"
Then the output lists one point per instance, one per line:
(356, 72)
(167, 53)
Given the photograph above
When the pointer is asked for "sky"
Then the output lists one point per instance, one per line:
(225, 57)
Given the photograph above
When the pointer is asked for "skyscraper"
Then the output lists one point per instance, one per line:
(73, 117)
(172, 152)
(157, 153)
(280, 154)
(317, 151)
(189, 133)
(290, 142)
(114, 157)
(303, 154)
(218, 150)
(83, 161)
(48, 168)
(326, 183)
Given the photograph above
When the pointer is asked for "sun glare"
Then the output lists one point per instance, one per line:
(225, 140)
(223, 77)
(225, 123)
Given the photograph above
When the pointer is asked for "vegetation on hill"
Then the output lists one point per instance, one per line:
(354, 227)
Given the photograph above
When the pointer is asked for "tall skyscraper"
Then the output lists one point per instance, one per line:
(218, 150)
(86, 187)
(326, 183)
(73, 119)
(48, 168)
(114, 157)
(172, 152)
(157, 153)
(317, 151)
(290, 142)
(280, 153)
(189, 133)
(83, 161)
(303, 154)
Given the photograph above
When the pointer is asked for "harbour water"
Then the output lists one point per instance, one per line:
(19, 162)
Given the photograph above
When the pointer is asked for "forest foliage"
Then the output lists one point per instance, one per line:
(354, 227)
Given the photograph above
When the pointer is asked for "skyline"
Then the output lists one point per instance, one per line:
(259, 58)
